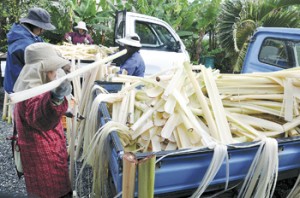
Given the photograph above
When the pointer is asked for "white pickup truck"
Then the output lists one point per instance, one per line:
(161, 48)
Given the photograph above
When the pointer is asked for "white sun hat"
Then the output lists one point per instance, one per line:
(81, 25)
(131, 40)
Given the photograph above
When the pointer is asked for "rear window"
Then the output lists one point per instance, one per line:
(280, 53)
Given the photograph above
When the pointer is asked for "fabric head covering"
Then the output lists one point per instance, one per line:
(39, 59)
(81, 25)
(38, 17)
(131, 40)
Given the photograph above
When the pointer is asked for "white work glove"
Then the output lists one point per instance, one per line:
(86, 41)
(64, 89)
(69, 39)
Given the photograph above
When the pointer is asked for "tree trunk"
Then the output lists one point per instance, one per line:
(103, 38)
(198, 46)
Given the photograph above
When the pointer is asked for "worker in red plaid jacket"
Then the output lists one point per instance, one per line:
(41, 137)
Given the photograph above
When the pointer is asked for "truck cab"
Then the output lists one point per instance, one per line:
(272, 49)
(161, 47)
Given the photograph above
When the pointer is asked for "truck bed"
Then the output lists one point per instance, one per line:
(180, 174)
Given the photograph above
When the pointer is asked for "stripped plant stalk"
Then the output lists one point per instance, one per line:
(146, 115)
(146, 176)
(171, 123)
(202, 100)
(29, 93)
(99, 152)
(198, 129)
(289, 125)
(273, 97)
(72, 143)
(4, 110)
(262, 175)
(220, 153)
(288, 101)
(129, 175)
(218, 111)
(131, 119)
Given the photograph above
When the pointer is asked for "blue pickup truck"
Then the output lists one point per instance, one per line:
(272, 49)
(178, 175)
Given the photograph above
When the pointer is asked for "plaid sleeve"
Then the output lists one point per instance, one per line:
(42, 114)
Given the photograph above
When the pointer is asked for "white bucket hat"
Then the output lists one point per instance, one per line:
(81, 25)
(131, 40)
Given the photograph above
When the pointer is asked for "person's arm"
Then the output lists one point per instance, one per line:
(45, 111)
(42, 114)
(68, 37)
(13, 70)
(89, 38)
(129, 65)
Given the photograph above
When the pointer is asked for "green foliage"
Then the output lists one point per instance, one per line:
(190, 20)
(60, 18)
(98, 17)
(210, 52)
(14, 10)
(10, 13)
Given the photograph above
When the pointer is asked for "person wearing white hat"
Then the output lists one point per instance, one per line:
(41, 139)
(80, 36)
(132, 62)
(21, 35)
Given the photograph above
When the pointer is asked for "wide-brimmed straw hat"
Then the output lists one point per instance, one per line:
(38, 17)
(81, 25)
(131, 40)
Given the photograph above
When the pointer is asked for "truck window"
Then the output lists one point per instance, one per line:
(297, 47)
(277, 52)
(120, 31)
(154, 36)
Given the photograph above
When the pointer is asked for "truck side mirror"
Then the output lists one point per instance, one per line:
(173, 46)
(177, 46)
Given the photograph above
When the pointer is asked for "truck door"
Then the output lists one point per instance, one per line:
(161, 46)
(161, 50)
